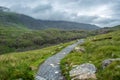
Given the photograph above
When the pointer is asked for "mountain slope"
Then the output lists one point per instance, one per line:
(97, 49)
(24, 65)
(11, 18)
(21, 39)
(68, 25)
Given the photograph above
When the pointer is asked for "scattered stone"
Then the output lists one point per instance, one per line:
(79, 49)
(106, 62)
(39, 78)
(61, 78)
(52, 65)
(56, 72)
(83, 72)
(47, 70)
(64, 53)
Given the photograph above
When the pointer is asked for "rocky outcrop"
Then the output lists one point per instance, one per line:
(79, 49)
(83, 72)
(106, 62)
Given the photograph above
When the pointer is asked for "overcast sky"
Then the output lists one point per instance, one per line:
(99, 12)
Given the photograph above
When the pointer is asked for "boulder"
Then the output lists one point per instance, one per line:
(83, 72)
(106, 62)
(79, 49)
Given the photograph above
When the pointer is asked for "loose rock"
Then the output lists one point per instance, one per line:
(39, 78)
(83, 72)
(107, 62)
(79, 49)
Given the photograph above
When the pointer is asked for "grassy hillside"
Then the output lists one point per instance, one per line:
(12, 18)
(21, 39)
(106, 30)
(23, 65)
(97, 49)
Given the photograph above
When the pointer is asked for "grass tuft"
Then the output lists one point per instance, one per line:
(24, 65)
(98, 49)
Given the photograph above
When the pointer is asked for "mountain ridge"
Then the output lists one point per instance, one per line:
(8, 17)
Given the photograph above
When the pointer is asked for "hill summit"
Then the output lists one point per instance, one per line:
(15, 19)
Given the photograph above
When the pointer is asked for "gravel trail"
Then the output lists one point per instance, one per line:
(50, 69)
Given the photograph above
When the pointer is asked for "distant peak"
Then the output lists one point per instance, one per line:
(4, 9)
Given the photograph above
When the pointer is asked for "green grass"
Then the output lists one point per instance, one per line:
(98, 48)
(25, 64)
(18, 38)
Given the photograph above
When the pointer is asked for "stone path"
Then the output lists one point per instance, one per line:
(50, 69)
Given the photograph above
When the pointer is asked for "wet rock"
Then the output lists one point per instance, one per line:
(83, 72)
(79, 49)
(106, 62)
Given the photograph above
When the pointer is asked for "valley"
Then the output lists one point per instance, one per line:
(36, 49)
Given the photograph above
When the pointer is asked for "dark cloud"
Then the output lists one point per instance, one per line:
(42, 8)
(99, 12)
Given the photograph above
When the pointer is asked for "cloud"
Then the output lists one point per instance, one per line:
(100, 12)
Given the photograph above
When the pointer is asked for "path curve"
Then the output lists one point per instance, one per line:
(50, 69)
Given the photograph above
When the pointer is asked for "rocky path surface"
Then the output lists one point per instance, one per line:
(50, 69)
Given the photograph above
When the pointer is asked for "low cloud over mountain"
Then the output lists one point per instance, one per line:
(99, 12)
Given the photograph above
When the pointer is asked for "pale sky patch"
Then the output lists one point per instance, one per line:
(104, 13)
